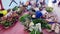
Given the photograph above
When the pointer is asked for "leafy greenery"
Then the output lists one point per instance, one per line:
(7, 24)
(15, 8)
(34, 32)
(44, 24)
(48, 27)
(23, 18)
(49, 9)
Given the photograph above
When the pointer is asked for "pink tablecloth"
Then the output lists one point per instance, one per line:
(17, 29)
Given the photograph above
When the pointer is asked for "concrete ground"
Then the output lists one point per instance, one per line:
(56, 11)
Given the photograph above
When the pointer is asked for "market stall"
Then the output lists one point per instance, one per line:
(29, 18)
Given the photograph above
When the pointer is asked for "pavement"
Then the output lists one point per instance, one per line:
(56, 11)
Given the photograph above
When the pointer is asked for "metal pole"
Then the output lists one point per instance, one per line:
(1, 5)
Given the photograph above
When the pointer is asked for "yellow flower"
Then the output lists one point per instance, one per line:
(4, 12)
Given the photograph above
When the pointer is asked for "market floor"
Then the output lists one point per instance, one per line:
(18, 29)
(57, 12)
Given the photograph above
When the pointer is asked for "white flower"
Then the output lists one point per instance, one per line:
(36, 9)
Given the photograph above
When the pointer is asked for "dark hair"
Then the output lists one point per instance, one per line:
(24, 5)
(1, 15)
(40, 8)
(33, 10)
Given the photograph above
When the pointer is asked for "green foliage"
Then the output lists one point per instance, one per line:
(48, 27)
(34, 32)
(44, 24)
(23, 18)
(7, 24)
(15, 8)
(49, 9)
(35, 21)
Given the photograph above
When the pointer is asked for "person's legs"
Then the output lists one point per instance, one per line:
(53, 26)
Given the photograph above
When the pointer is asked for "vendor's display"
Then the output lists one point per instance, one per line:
(34, 19)
(25, 19)
(6, 19)
(31, 24)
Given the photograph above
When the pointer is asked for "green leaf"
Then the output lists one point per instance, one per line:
(15, 8)
(34, 32)
(48, 27)
(49, 9)
(7, 23)
(23, 18)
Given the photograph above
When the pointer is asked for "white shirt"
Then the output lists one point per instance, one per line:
(36, 9)
(43, 12)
